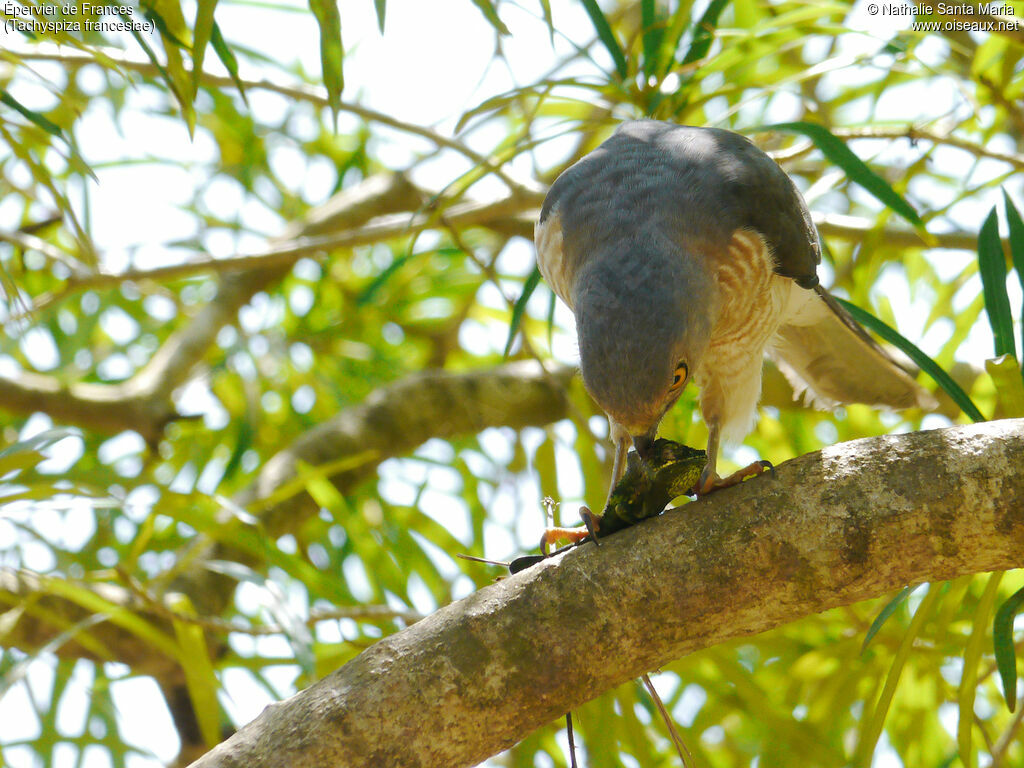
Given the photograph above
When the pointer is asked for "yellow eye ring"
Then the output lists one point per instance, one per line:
(680, 375)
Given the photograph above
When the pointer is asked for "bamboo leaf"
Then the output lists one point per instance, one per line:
(607, 36)
(869, 737)
(168, 18)
(856, 169)
(1002, 640)
(116, 614)
(40, 441)
(491, 14)
(548, 19)
(227, 58)
(885, 613)
(1016, 228)
(992, 266)
(331, 50)
(921, 360)
(703, 32)
(47, 125)
(552, 300)
(653, 34)
(969, 676)
(200, 679)
(77, 632)
(380, 6)
(520, 307)
(201, 34)
(1006, 375)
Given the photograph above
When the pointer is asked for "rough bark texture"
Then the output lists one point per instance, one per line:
(832, 527)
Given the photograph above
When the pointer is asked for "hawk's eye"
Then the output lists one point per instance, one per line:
(679, 377)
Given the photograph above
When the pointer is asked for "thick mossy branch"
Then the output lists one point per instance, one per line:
(830, 528)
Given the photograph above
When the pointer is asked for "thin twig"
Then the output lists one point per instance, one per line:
(572, 740)
(295, 92)
(913, 133)
(673, 732)
(225, 626)
(1007, 739)
(909, 132)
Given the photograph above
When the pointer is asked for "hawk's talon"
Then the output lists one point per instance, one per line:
(710, 482)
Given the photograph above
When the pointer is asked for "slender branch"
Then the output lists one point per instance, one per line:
(855, 228)
(27, 241)
(848, 523)
(913, 133)
(144, 402)
(395, 419)
(509, 216)
(225, 626)
(285, 252)
(909, 132)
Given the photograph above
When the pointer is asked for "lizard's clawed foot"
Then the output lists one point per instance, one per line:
(572, 535)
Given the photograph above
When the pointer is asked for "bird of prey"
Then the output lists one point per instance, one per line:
(686, 254)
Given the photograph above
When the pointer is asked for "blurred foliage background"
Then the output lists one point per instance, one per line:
(219, 234)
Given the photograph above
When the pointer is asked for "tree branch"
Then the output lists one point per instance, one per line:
(144, 402)
(510, 216)
(912, 133)
(833, 527)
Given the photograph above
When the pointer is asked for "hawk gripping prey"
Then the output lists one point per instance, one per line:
(687, 253)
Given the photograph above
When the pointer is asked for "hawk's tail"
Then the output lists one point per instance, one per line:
(826, 354)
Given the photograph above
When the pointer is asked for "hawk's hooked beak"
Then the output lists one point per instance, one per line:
(644, 443)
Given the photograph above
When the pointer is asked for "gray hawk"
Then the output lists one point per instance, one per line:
(686, 254)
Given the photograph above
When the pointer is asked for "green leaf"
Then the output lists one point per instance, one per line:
(331, 51)
(972, 661)
(168, 18)
(992, 266)
(117, 614)
(703, 32)
(856, 169)
(200, 679)
(77, 632)
(548, 19)
(520, 307)
(1002, 640)
(552, 300)
(380, 6)
(607, 37)
(147, 49)
(921, 360)
(491, 14)
(42, 440)
(1016, 228)
(227, 58)
(47, 125)
(653, 34)
(885, 613)
(201, 35)
(1006, 375)
(872, 726)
